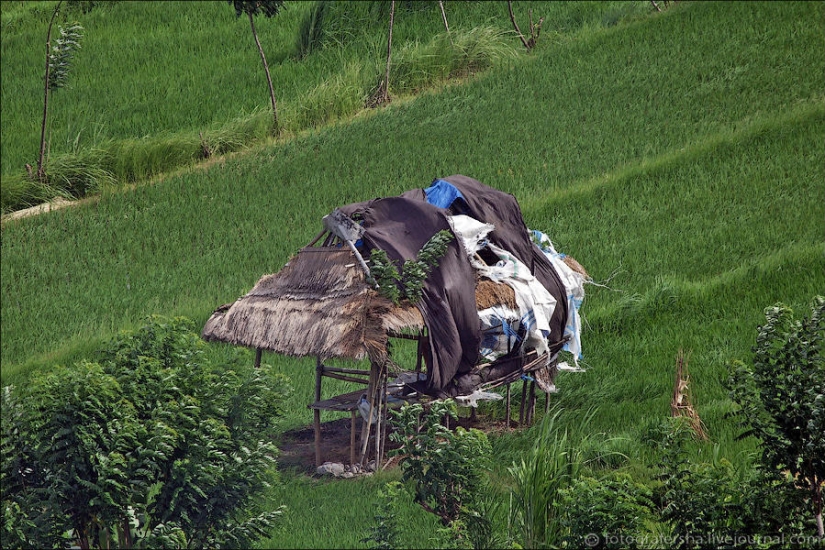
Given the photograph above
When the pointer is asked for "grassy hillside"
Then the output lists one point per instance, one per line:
(679, 155)
(156, 86)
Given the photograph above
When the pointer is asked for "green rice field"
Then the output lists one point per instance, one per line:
(678, 156)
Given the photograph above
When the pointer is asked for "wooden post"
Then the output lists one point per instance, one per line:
(546, 403)
(365, 434)
(382, 401)
(523, 401)
(258, 358)
(419, 352)
(352, 437)
(531, 404)
(507, 413)
(319, 370)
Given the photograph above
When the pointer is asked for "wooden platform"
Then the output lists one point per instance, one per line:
(345, 402)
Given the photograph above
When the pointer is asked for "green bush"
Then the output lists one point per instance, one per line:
(614, 509)
(445, 470)
(715, 503)
(154, 445)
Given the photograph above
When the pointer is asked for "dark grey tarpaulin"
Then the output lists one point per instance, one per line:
(502, 210)
(402, 225)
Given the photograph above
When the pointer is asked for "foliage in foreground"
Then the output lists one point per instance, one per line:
(713, 504)
(446, 470)
(560, 498)
(155, 445)
(781, 397)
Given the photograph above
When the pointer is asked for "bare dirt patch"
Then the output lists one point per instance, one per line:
(297, 446)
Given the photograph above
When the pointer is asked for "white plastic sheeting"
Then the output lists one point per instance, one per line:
(535, 303)
(574, 287)
(499, 331)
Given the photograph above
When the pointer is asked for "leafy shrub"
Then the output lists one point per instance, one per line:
(384, 535)
(614, 508)
(781, 397)
(409, 284)
(154, 445)
(446, 470)
(717, 501)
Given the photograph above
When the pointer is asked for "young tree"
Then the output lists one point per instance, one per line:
(447, 470)
(382, 93)
(268, 8)
(535, 28)
(155, 445)
(781, 397)
(58, 58)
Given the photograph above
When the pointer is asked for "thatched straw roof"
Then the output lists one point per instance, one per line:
(319, 304)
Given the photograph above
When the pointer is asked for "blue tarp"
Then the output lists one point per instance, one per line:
(442, 194)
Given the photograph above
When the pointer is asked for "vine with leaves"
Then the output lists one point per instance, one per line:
(409, 283)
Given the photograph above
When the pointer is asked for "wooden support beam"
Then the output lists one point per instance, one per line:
(345, 378)
(258, 353)
(507, 413)
(419, 352)
(371, 390)
(352, 437)
(361, 372)
(523, 402)
(319, 371)
(318, 238)
(531, 403)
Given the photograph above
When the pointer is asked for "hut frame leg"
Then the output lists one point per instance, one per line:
(319, 370)
(507, 411)
(352, 437)
(371, 391)
(531, 404)
(522, 410)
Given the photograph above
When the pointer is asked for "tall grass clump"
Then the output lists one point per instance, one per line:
(338, 97)
(448, 55)
(18, 192)
(539, 477)
(237, 134)
(80, 174)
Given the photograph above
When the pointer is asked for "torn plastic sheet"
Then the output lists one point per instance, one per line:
(535, 303)
(472, 232)
(574, 288)
(478, 395)
(499, 331)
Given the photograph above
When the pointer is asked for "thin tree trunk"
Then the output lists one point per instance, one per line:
(385, 92)
(266, 69)
(816, 488)
(41, 172)
(515, 25)
(444, 16)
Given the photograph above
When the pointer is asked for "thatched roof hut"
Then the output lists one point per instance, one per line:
(324, 303)
(318, 305)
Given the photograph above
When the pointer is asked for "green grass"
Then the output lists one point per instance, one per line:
(109, 123)
(679, 153)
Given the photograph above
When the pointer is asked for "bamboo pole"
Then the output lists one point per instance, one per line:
(319, 370)
(521, 412)
(362, 372)
(365, 439)
(352, 437)
(508, 413)
(382, 398)
(345, 378)
(531, 403)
